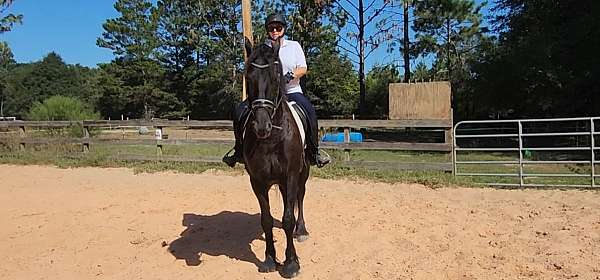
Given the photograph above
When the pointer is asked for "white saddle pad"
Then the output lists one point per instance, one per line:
(298, 122)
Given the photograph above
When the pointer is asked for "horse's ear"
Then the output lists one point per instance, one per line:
(248, 46)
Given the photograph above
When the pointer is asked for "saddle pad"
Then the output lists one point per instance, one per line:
(298, 121)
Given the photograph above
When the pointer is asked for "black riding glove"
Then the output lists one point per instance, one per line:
(289, 76)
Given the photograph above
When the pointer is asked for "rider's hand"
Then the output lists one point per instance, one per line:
(289, 76)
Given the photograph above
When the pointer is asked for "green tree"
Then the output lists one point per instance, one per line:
(133, 89)
(332, 84)
(448, 29)
(421, 73)
(26, 84)
(546, 58)
(201, 51)
(133, 35)
(378, 80)
(6, 62)
(132, 38)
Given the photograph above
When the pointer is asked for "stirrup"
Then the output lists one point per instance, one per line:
(230, 160)
(321, 160)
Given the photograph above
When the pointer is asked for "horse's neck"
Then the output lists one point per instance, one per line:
(284, 112)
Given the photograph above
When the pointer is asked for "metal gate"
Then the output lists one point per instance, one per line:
(528, 152)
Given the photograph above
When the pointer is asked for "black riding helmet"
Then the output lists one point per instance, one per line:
(275, 18)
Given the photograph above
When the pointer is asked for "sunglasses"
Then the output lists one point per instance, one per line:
(274, 28)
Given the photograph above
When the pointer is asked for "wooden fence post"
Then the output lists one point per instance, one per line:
(448, 138)
(22, 135)
(86, 137)
(347, 140)
(159, 145)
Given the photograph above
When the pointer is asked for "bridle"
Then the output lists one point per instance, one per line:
(267, 104)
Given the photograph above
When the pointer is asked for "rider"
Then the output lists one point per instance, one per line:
(294, 66)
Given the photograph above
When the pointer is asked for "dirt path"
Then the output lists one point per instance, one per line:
(95, 223)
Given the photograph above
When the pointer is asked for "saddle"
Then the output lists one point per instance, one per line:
(300, 117)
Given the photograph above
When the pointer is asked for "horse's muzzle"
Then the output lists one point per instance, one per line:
(263, 129)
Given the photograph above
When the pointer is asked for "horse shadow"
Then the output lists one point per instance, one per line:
(226, 233)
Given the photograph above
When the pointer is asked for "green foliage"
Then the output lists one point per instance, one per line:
(202, 55)
(8, 21)
(133, 88)
(421, 73)
(175, 59)
(133, 34)
(377, 83)
(449, 29)
(61, 108)
(6, 55)
(545, 63)
(6, 62)
(312, 24)
(26, 84)
(332, 84)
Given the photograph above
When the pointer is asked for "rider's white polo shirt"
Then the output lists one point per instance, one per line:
(292, 57)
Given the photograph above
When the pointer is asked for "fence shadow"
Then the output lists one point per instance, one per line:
(226, 233)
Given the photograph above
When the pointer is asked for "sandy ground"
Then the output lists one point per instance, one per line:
(94, 223)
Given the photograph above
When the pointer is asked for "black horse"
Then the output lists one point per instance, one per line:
(274, 153)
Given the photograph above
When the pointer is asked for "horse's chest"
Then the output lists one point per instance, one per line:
(265, 166)
(271, 162)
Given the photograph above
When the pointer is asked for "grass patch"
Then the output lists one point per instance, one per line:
(107, 155)
(70, 156)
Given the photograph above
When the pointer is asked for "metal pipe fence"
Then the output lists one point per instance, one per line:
(475, 156)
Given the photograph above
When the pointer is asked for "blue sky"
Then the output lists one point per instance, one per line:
(71, 27)
(67, 27)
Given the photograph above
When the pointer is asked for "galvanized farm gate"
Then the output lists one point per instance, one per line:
(570, 143)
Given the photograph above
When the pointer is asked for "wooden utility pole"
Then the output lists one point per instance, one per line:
(247, 26)
(406, 42)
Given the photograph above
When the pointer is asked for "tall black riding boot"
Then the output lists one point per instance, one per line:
(240, 115)
(313, 147)
(237, 156)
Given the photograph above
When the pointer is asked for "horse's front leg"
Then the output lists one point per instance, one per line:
(266, 220)
(291, 266)
(300, 233)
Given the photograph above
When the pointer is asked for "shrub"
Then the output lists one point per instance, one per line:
(61, 108)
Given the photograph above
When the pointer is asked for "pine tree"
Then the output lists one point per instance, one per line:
(448, 29)
(133, 39)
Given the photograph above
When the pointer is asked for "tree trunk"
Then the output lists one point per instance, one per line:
(406, 50)
(448, 63)
(361, 63)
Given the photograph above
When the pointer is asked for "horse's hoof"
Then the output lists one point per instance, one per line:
(290, 269)
(269, 265)
(301, 238)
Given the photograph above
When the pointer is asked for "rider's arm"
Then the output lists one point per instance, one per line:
(301, 67)
(299, 72)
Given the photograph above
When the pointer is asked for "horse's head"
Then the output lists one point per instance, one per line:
(263, 85)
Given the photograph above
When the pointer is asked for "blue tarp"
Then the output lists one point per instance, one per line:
(339, 137)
